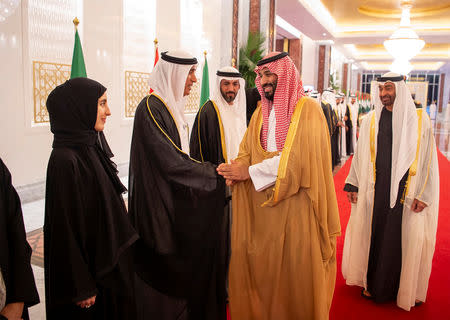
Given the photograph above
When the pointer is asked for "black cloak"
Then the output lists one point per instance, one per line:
(207, 144)
(15, 252)
(87, 233)
(174, 206)
(207, 141)
(252, 98)
(349, 132)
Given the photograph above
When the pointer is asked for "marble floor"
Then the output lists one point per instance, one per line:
(34, 215)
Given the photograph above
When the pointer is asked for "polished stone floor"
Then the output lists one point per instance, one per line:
(34, 214)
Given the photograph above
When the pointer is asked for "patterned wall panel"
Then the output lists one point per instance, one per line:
(193, 99)
(46, 76)
(136, 88)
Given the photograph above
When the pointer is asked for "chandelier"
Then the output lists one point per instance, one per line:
(404, 44)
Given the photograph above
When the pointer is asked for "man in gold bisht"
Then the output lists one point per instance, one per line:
(285, 214)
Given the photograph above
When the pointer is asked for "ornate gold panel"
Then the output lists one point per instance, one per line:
(136, 88)
(46, 76)
(193, 99)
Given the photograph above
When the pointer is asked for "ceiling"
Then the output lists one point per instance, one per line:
(359, 27)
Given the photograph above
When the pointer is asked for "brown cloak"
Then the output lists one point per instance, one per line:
(283, 263)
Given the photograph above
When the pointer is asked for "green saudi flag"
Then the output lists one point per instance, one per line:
(204, 96)
(78, 67)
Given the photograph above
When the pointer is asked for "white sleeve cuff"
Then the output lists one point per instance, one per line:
(264, 174)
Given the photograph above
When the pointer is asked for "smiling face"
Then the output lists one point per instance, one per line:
(190, 80)
(229, 90)
(102, 112)
(387, 94)
(269, 82)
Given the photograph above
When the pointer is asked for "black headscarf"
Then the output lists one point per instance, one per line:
(73, 108)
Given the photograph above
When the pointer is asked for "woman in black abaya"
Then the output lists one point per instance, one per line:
(87, 235)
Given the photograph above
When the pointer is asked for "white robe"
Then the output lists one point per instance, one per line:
(264, 174)
(342, 108)
(433, 111)
(418, 229)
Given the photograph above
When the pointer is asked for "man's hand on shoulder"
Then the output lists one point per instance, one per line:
(233, 172)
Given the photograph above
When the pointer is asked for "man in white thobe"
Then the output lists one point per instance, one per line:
(393, 186)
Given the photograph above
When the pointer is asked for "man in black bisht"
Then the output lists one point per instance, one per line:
(17, 286)
(328, 98)
(176, 203)
(221, 122)
(348, 130)
(87, 234)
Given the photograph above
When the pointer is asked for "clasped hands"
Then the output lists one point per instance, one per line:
(417, 205)
(233, 172)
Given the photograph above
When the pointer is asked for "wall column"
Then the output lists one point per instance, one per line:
(441, 92)
(321, 69)
(234, 37)
(344, 76)
(295, 52)
(255, 15)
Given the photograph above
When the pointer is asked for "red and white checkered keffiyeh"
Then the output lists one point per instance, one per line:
(288, 91)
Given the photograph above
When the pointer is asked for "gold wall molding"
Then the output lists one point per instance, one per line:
(136, 88)
(46, 76)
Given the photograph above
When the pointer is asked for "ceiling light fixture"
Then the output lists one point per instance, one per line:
(401, 66)
(404, 43)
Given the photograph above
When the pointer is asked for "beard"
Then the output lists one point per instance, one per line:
(228, 96)
(270, 95)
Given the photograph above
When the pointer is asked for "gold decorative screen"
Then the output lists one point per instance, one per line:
(136, 88)
(193, 100)
(46, 76)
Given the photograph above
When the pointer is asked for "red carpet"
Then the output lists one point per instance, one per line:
(347, 302)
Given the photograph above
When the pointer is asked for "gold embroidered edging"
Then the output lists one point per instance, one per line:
(428, 169)
(222, 133)
(198, 131)
(413, 168)
(287, 146)
(159, 127)
(372, 145)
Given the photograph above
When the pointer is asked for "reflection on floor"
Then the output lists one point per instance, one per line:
(34, 212)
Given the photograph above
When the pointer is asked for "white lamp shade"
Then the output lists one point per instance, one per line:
(400, 66)
(404, 44)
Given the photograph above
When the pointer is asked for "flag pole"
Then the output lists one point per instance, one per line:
(78, 67)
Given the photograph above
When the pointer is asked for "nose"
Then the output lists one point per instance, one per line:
(108, 111)
(194, 78)
(264, 80)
